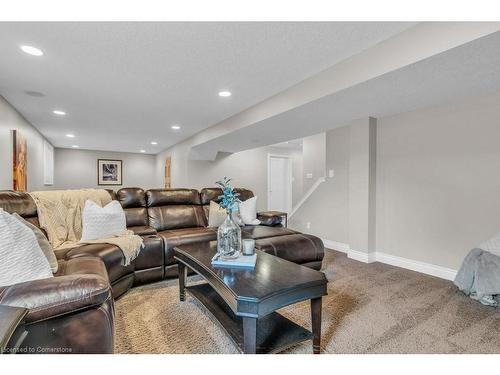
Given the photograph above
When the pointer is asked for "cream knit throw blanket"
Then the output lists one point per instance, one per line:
(60, 215)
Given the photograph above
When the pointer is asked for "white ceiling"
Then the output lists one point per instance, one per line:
(124, 84)
(294, 144)
(470, 70)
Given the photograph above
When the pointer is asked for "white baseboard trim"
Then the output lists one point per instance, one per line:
(361, 256)
(393, 260)
(415, 265)
(334, 245)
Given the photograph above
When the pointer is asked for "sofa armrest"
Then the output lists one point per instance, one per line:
(143, 230)
(270, 218)
(55, 296)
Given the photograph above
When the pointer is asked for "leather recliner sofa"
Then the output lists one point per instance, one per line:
(73, 312)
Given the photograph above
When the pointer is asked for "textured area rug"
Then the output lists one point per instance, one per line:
(370, 308)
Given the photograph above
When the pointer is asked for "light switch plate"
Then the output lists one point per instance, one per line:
(331, 173)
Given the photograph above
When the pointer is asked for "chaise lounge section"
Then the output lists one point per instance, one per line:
(74, 310)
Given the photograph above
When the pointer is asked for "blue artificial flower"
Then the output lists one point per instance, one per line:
(229, 198)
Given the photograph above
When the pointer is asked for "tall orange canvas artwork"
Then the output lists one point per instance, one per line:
(19, 162)
(168, 176)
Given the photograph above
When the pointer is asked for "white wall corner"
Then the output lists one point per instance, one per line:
(362, 256)
(334, 245)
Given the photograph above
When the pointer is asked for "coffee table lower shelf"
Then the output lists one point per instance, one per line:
(275, 333)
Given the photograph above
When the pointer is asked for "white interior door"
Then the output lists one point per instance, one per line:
(279, 183)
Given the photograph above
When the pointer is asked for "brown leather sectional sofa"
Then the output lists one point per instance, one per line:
(73, 312)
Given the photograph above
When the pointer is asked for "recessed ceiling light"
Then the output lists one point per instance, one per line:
(154, 143)
(70, 135)
(224, 94)
(175, 127)
(36, 94)
(30, 50)
(143, 151)
(58, 112)
(75, 146)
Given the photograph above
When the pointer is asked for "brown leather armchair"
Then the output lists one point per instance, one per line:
(71, 312)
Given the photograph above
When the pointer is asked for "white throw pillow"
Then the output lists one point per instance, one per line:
(248, 211)
(217, 215)
(21, 258)
(102, 222)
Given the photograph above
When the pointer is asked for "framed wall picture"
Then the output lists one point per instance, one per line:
(109, 172)
(19, 162)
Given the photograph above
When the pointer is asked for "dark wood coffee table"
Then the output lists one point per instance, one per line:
(244, 302)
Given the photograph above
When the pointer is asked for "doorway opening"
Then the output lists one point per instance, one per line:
(279, 183)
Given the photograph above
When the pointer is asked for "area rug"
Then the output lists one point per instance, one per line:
(370, 308)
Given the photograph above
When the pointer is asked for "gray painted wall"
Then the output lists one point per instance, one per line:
(327, 210)
(10, 119)
(438, 181)
(75, 169)
(246, 168)
(314, 150)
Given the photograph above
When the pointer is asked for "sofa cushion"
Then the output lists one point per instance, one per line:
(142, 230)
(133, 201)
(298, 248)
(176, 217)
(14, 201)
(151, 255)
(213, 194)
(81, 283)
(111, 255)
(174, 209)
(136, 216)
(131, 197)
(259, 231)
(176, 237)
(163, 197)
(89, 265)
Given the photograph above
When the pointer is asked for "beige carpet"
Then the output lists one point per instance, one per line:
(370, 308)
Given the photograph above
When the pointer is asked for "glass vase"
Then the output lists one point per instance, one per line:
(229, 238)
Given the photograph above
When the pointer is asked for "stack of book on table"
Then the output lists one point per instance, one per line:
(242, 261)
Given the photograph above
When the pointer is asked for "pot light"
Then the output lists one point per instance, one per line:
(154, 143)
(224, 94)
(30, 50)
(58, 112)
(35, 94)
(70, 135)
(75, 146)
(175, 127)
(143, 151)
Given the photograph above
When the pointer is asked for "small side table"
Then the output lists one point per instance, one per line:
(283, 215)
(12, 328)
